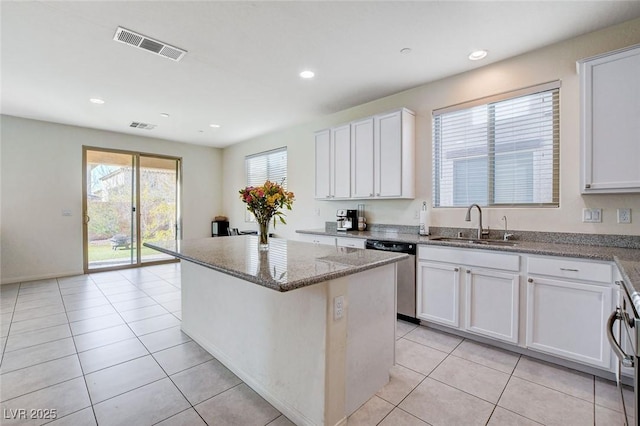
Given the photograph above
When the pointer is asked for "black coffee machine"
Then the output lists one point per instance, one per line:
(347, 220)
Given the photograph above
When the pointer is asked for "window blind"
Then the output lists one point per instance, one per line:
(269, 165)
(498, 151)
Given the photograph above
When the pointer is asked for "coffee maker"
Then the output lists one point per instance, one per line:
(347, 220)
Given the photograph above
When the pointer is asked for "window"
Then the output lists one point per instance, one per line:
(269, 165)
(502, 151)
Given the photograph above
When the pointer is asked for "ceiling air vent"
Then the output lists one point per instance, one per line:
(143, 42)
(139, 125)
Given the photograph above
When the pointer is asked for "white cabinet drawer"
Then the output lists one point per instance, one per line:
(483, 258)
(571, 268)
(350, 242)
(317, 239)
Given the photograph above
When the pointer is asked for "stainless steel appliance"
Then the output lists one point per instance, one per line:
(626, 349)
(347, 220)
(406, 276)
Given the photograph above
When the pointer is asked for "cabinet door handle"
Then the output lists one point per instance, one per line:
(569, 270)
(530, 280)
(456, 269)
(378, 194)
(587, 186)
(371, 194)
(468, 271)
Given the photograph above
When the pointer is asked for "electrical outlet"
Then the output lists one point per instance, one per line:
(316, 212)
(66, 212)
(416, 215)
(624, 215)
(338, 307)
(592, 215)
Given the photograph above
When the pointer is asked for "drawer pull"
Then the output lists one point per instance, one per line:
(569, 269)
(530, 280)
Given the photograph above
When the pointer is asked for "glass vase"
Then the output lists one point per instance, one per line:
(263, 235)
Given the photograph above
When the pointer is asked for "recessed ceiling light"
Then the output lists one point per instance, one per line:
(307, 74)
(405, 51)
(476, 55)
(215, 126)
(164, 114)
(96, 101)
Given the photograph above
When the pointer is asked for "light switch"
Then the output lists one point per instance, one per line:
(592, 215)
(66, 212)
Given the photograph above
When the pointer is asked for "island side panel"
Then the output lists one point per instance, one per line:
(371, 327)
(275, 342)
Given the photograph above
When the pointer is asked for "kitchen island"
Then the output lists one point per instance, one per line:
(311, 328)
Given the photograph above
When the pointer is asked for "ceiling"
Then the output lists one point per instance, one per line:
(241, 69)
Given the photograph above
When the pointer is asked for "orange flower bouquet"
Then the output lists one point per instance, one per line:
(266, 202)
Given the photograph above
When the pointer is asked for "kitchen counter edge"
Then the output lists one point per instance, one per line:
(389, 258)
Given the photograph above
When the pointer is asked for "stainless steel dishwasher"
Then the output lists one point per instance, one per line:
(406, 276)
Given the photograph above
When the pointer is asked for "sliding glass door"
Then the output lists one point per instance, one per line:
(158, 203)
(129, 198)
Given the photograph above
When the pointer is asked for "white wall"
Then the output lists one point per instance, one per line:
(556, 62)
(42, 175)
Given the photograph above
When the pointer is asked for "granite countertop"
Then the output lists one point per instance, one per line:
(287, 264)
(627, 259)
(605, 253)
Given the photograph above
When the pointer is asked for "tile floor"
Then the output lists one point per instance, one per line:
(107, 348)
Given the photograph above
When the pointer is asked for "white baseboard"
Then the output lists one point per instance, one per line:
(27, 278)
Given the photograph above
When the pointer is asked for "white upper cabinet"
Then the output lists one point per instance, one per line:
(369, 158)
(362, 158)
(333, 153)
(341, 146)
(394, 151)
(323, 164)
(610, 110)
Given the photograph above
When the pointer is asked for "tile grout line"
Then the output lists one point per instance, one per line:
(56, 283)
(421, 381)
(149, 353)
(513, 370)
(4, 346)
(84, 376)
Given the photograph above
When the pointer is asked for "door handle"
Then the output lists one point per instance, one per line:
(626, 360)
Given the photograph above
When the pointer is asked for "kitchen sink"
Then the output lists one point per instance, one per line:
(475, 241)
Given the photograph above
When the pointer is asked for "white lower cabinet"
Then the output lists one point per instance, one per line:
(479, 300)
(351, 242)
(568, 319)
(333, 241)
(555, 305)
(317, 239)
(492, 300)
(438, 290)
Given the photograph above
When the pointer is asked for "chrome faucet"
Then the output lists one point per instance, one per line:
(506, 235)
(467, 218)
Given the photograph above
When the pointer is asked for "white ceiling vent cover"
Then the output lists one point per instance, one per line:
(126, 36)
(139, 125)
